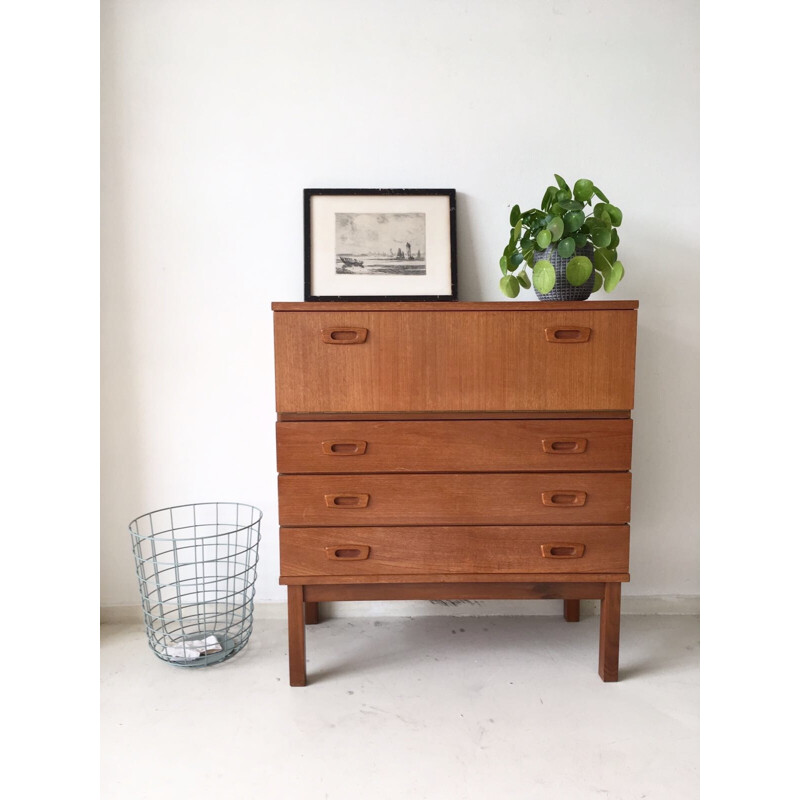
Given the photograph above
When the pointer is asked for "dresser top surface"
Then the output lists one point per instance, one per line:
(584, 305)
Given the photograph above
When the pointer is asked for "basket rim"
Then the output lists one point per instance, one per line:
(256, 520)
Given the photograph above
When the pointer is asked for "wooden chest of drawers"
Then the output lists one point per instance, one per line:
(454, 451)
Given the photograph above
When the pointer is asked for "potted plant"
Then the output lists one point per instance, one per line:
(571, 253)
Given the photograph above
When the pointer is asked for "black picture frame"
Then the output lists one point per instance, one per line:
(327, 220)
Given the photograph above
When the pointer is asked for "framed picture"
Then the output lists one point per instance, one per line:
(380, 244)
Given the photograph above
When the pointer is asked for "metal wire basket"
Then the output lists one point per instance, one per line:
(196, 566)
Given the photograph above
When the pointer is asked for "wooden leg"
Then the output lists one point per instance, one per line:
(297, 637)
(572, 610)
(312, 613)
(609, 632)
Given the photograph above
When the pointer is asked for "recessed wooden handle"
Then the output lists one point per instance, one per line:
(563, 550)
(564, 446)
(344, 335)
(563, 497)
(346, 500)
(567, 335)
(344, 448)
(348, 552)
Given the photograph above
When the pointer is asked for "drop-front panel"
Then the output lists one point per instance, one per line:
(505, 360)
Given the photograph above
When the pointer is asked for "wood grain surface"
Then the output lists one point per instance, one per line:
(454, 451)
(396, 416)
(455, 499)
(431, 361)
(455, 549)
(297, 637)
(451, 577)
(501, 305)
(457, 445)
(455, 591)
(572, 610)
(610, 608)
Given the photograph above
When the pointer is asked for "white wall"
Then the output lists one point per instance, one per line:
(217, 114)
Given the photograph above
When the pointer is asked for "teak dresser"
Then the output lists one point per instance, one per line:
(454, 451)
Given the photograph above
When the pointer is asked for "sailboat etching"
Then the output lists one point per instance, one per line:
(380, 244)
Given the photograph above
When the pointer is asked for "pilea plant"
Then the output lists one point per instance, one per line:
(564, 224)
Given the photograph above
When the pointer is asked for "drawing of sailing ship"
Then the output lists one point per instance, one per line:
(371, 243)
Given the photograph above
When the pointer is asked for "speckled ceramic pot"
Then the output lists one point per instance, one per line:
(564, 290)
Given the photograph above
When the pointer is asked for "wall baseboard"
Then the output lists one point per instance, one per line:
(641, 605)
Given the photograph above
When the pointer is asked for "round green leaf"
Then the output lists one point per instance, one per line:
(584, 189)
(615, 214)
(614, 239)
(573, 220)
(517, 230)
(543, 238)
(598, 282)
(524, 280)
(544, 276)
(515, 260)
(601, 237)
(603, 260)
(515, 215)
(579, 269)
(562, 184)
(566, 247)
(580, 239)
(556, 227)
(571, 205)
(509, 286)
(504, 265)
(614, 277)
(563, 195)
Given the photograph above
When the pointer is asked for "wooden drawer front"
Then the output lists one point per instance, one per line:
(385, 361)
(454, 446)
(442, 550)
(447, 499)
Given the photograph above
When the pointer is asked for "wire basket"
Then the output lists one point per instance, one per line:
(196, 566)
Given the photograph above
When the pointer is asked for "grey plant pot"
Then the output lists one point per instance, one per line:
(564, 290)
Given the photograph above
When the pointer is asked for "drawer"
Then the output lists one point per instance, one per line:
(455, 446)
(384, 361)
(443, 550)
(447, 499)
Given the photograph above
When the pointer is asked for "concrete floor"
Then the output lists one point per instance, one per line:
(441, 708)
